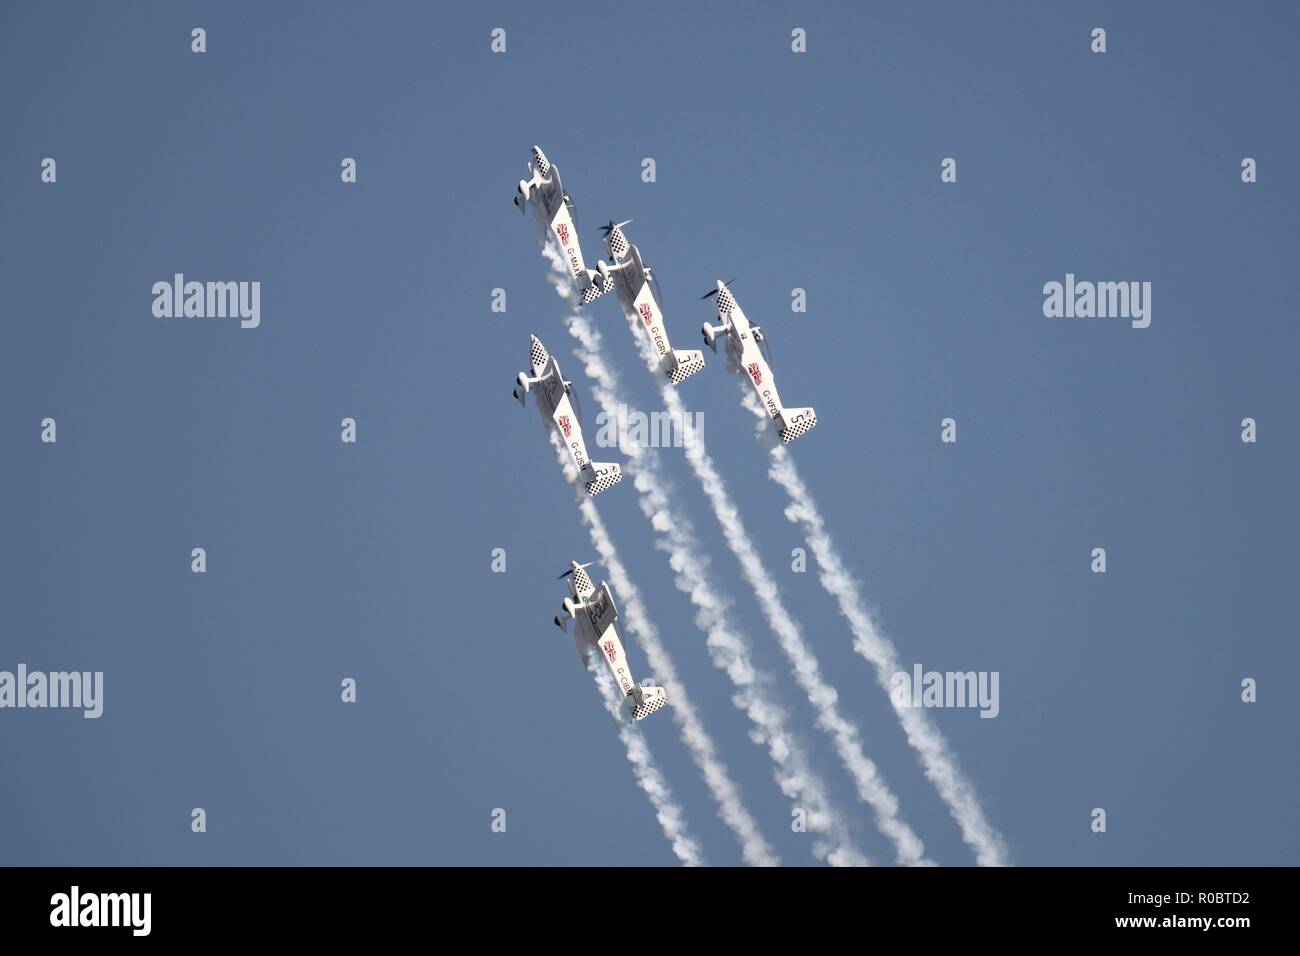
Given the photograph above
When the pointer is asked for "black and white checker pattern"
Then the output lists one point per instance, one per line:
(648, 706)
(582, 581)
(538, 355)
(617, 244)
(725, 302)
(690, 363)
(794, 431)
(604, 482)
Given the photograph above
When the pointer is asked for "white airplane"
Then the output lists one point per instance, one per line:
(555, 210)
(593, 610)
(638, 291)
(747, 349)
(554, 401)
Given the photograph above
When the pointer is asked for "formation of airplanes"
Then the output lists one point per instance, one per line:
(591, 608)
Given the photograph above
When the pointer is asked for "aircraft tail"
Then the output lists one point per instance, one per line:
(643, 701)
(796, 421)
(686, 362)
(596, 286)
(601, 476)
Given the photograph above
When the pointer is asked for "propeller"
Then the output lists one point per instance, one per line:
(571, 569)
(607, 229)
(714, 291)
(653, 279)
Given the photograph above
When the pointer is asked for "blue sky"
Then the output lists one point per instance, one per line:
(818, 171)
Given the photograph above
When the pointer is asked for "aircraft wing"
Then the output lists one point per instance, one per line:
(552, 192)
(583, 645)
(601, 610)
(632, 275)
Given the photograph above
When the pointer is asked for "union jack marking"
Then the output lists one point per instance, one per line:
(609, 651)
(563, 232)
(646, 314)
(755, 374)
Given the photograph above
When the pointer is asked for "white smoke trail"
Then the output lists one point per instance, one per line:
(939, 763)
(871, 787)
(728, 650)
(731, 808)
(648, 775)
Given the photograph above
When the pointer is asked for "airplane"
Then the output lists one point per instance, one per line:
(638, 291)
(593, 610)
(555, 402)
(747, 349)
(555, 210)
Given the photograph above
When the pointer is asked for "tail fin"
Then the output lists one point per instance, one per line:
(796, 421)
(644, 701)
(686, 362)
(600, 476)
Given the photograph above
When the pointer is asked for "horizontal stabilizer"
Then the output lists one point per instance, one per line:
(686, 362)
(594, 290)
(796, 421)
(601, 476)
(652, 698)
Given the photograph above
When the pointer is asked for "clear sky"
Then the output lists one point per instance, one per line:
(818, 171)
